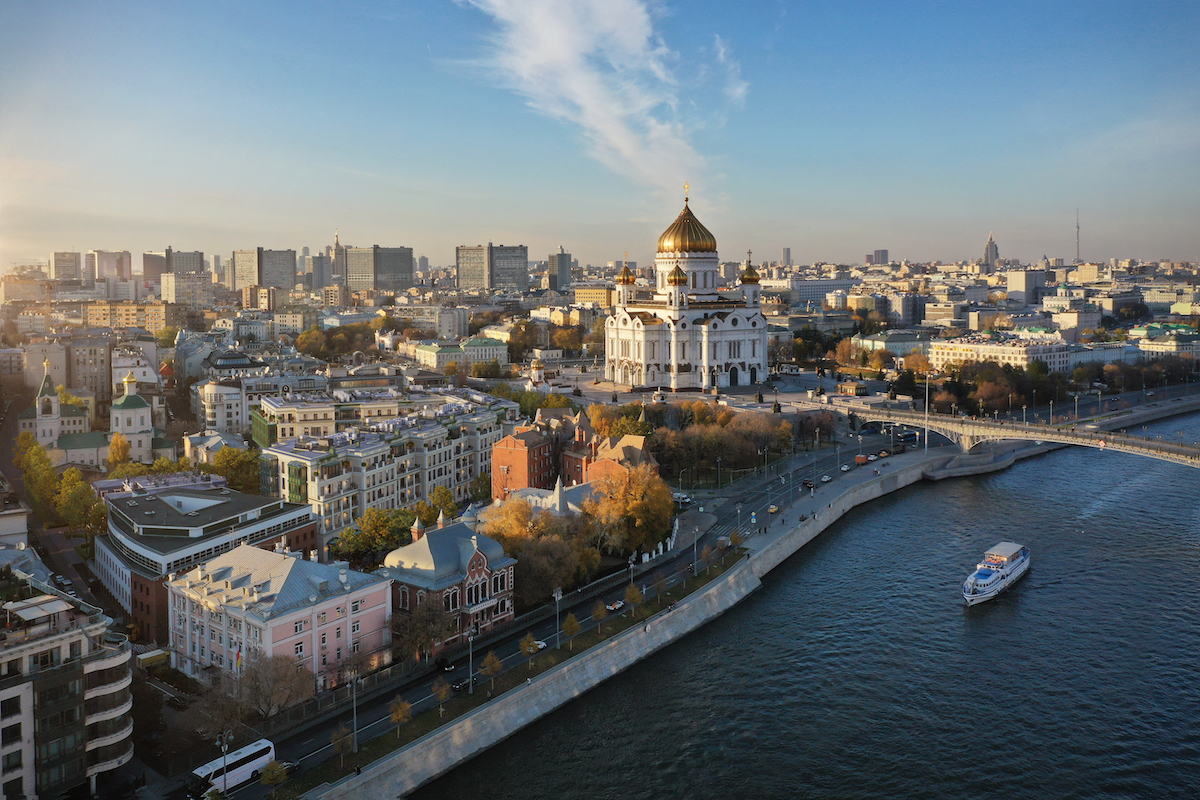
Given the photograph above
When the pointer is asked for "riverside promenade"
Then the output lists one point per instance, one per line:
(779, 538)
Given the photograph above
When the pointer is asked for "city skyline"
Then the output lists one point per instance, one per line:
(833, 130)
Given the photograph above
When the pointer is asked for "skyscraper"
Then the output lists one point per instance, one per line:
(991, 253)
(318, 266)
(66, 266)
(112, 266)
(473, 266)
(881, 257)
(278, 268)
(785, 258)
(339, 259)
(559, 268)
(387, 269)
(184, 261)
(243, 269)
(493, 267)
(153, 266)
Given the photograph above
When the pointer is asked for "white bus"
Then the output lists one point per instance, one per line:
(241, 765)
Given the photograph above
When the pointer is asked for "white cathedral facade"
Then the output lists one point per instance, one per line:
(684, 334)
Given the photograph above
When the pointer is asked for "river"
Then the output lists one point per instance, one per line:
(857, 672)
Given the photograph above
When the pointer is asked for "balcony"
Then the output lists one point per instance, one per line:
(111, 738)
(107, 659)
(108, 688)
(118, 759)
(338, 492)
(110, 713)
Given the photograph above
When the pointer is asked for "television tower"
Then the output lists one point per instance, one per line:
(1077, 260)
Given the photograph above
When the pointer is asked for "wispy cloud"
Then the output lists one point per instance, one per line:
(599, 64)
(735, 87)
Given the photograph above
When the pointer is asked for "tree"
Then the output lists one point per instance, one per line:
(421, 630)
(399, 712)
(529, 647)
(118, 450)
(342, 740)
(41, 480)
(570, 629)
(240, 468)
(25, 441)
(166, 337)
(481, 486)
(491, 667)
(599, 614)
(273, 774)
(441, 690)
(269, 684)
(706, 555)
(633, 597)
(634, 507)
(65, 398)
(74, 502)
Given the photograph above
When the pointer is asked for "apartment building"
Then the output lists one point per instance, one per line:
(153, 317)
(225, 404)
(65, 705)
(1020, 353)
(386, 464)
(164, 524)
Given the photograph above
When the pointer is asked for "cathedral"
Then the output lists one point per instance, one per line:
(684, 334)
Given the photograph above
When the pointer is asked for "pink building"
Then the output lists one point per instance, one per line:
(251, 602)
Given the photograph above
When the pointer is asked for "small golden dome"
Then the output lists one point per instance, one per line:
(626, 278)
(749, 275)
(677, 277)
(687, 235)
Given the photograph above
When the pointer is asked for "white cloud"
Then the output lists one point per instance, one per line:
(599, 64)
(735, 87)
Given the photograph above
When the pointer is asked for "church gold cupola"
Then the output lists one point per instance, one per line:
(687, 249)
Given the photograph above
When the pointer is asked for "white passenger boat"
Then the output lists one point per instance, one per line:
(1002, 566)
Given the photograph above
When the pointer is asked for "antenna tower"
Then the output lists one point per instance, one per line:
(1077, 259)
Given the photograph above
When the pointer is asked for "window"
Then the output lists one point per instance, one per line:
(354, 627)
(12, 761)
(299, 627)
(299, 648)
(321, 618)
(323, 641)
(355, 606)
(10, 734)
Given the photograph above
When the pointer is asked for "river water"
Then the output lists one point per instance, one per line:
(857, 672)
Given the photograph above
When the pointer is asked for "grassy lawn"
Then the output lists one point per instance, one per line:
(457, 705)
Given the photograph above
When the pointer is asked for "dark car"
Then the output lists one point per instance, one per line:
(177, 703)
(461, 684)
(809, 484)
(444, 664)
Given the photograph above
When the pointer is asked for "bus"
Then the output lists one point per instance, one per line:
(907, 437)
(241, 765)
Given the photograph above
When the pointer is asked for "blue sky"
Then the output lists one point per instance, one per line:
(833, 128)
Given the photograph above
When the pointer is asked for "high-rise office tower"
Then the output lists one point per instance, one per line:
(318, 267)
(243, 269)
(388, 269)
(112, 266)
(881, 257)
(87, 276)
(181, 261)
(423, 264)
(785, 258)
(339, 259)
(218, 270)
(153, 266)
(66, 266)
(278, 268)
(493, 267)
(991, 253)
(473, 266)
(559, 268)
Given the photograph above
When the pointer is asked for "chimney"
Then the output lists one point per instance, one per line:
(418, 530)
(341, 576)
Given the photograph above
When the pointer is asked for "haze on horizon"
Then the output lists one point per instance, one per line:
(832, 128)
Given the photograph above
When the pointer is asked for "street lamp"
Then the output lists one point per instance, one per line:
(223, 741)
(739, 510)
(1023, 415)
(695, 538)
(557, 629)
(631, 570)
(1051, 412)
(926, 413)
(471, 649)
(1076, 405)
(718, 473)
(353, 673)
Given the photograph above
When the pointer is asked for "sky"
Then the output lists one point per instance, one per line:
(833, 128)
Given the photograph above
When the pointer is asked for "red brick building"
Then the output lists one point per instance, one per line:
(522, 461)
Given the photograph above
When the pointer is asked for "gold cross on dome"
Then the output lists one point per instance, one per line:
(686, 186)
(626, 262)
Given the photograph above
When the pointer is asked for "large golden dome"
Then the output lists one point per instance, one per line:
(626, 278)
(687, 235)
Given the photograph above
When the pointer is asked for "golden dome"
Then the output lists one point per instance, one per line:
(626, 278)
(677, 277)
(687, 235)
(749, 275)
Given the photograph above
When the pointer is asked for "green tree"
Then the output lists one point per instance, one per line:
(118, 450)
(240, 468)
(129, 469)
(342, 740)
(491, 667)
(166, 337)
(65, 398)
(570, 629)
(399, 712)
(74, 500)
(481, 486)
(41, 480)
(273, 774)
(529, 647)
(599, 614)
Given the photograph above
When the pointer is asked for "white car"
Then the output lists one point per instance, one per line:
(844, 468)
(540, 645)
(825, 479)
(872, 457)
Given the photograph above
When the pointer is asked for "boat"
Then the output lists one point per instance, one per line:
(1002, 566)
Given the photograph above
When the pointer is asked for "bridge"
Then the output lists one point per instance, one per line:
(968, 432)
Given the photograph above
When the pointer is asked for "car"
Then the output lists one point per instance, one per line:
(884, 454)
(462, 684)
(872, 457)
(844, 467)
(178, 703)
(808, 484)
(615, 605)
(443, 664)
(541, 645)
(825, 479)
(60, 580)
(772, 509)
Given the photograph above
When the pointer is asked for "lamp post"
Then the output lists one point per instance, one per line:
(718, 473)
(557, 629)
(926, 413)
(1077, 405)
(354, 703)
(1035, 405)
(1023, 415)
(695, 537)
(471, 648)
(1051, 413)
(631, 558)
(223, 741)
(739, 510)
